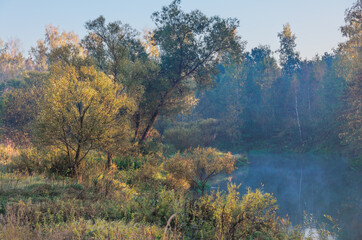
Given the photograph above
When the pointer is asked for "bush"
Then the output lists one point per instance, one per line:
(7, 151)
(226, 216)
(129, 162)
(29, 161)
(195, 167)
(50, 161)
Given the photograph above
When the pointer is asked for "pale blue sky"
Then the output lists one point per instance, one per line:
(315, 22)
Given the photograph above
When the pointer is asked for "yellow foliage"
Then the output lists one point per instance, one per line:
(197, 166)
(80, 111)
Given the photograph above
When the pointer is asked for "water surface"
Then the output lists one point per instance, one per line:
(314, 184)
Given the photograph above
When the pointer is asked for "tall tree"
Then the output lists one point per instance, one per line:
(191, 46)
(290, 62)
(351, 66)
(289, 57)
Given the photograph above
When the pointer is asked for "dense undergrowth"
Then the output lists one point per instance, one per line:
(149, 199)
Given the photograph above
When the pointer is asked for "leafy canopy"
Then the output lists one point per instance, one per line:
(80, 111)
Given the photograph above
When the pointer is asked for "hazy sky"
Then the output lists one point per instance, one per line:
(315, 22)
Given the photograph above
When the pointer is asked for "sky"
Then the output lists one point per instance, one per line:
(315, 22)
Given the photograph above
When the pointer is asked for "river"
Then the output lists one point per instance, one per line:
(305, 183)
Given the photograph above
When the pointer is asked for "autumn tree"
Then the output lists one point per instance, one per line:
(25, 79)
(12, 61)
(79, 112)
(289, 58)
(43, 53)
(351, 70)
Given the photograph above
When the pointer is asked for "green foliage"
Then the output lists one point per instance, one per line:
(129, 162)
(191, 45)
(289, 58)
(191, 135)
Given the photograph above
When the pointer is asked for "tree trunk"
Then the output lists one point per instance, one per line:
(76, 162)
(109, 159)
(149, 125)
(161, 104)
(137, 119)
(297, 114)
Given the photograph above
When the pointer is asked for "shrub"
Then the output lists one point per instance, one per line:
(226, 216)
(129, 162)
(29, 161)
(32, 160)
(7, 151)
(195, 167)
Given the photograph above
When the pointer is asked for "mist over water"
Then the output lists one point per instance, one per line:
(314, 184)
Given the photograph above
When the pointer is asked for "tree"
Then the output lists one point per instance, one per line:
(191, 45)
(117, 52)
(49, 49)
(257, 81)
(351, 70)
(290, 62)
(12, 62)
(114, 47)
(79, 112)
(289, 58)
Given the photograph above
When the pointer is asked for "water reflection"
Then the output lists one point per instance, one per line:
(315, 184)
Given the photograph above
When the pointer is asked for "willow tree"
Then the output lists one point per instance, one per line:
(191, 45)
(79, 112)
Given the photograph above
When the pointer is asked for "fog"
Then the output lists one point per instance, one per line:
(305, 183)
